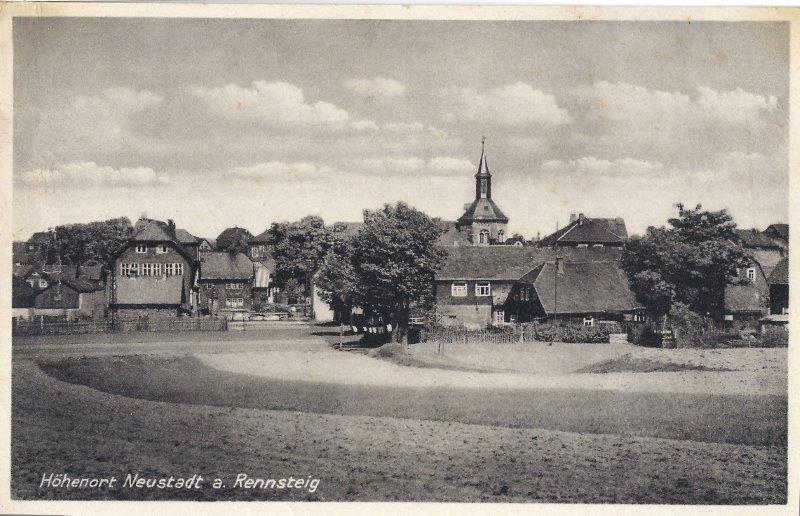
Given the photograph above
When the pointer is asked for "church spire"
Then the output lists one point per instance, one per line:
(483, 178)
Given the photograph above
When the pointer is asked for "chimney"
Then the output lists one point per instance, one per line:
(560, 265)
(171, 227)
(580, 219)
(572, 218)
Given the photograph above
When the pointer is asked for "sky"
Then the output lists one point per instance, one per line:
(219, 123)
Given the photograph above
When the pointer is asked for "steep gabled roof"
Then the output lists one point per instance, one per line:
(153, 231)
(221, 265)
(583, 287)
(483, 210)
(780, 274)
(755, 238)
(778, 231)
(261, 238)
(186, 238)
(589, 231)
(510, 263)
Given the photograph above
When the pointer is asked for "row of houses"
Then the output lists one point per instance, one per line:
(573, 274)
(161, 271)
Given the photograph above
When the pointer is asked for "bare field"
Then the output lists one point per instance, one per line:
(280, 402)
(62, 427)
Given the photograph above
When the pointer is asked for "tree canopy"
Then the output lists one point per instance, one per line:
(689, 262)
(234, 240)
(299, 248)
(388, 267)
(76, 244)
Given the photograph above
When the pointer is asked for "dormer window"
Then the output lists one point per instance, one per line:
(751, 274)
(141, 248)
(161, 249)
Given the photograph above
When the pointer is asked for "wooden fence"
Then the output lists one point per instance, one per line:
(64, 327)
(480, 336)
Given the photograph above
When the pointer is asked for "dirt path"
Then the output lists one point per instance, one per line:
(328, 366)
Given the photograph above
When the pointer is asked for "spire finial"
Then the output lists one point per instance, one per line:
(483, 143)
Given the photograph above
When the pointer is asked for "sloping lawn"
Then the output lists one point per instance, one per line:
(61, 427)
(740, 419)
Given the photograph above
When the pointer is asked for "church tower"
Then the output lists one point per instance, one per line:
(483, 221)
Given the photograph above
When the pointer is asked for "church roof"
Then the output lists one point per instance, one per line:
(484, 210)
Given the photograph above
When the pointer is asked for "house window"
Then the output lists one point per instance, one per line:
(588, 321)
(147, 269)
(178, 269)
(638, 318)
(161, 249)
(234, 286)
(458, 289)
(499, 316)
(169, 269)
(234, 302)
(483, 289)
(597, 245)
(751, 274)
(501, 236)
(484, 236)
(583, 245)
(42, 283)
(141, 248)
(125, 269)
(156, 269)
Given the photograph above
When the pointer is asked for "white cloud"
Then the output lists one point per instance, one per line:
(602, 167)
(515, 104)
(737, 106)
(641, 106)
(270, 103)
(441, 166)
(280, 171)
(404, 127)
(376, 87)
(89, 173)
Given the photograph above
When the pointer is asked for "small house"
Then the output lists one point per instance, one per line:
(225, 283)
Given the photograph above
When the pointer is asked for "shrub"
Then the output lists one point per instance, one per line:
(548, 332)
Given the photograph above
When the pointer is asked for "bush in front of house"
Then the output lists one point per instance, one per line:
(571, 334)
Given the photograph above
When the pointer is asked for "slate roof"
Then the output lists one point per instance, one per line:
(584, 287)
(80, 284)
(779, 231)
(152, 231)
(186, 238)
(590, 231)
(755, 238)
(483, 210)
(510, 263)
(780, 274)
(221, 265)
(261, 238)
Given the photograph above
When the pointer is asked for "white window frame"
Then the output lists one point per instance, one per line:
(638, 318)
(157, 269)
(583, 245)
(458, 289)
(141, 248)
(42, 283)
(483, 289)
(169, 269)
(234, 302)
(134, 269)
(147, 269)
(501, 236)
(178, 269)
(597, 245)
(588, 321)
(751, 274)
(125, 269)
(234, 286)
(162, 249)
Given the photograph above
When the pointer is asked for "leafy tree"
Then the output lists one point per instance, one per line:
(299, 249)
(234, 240)
(76, 244)
(690, 262)
(388, 267)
